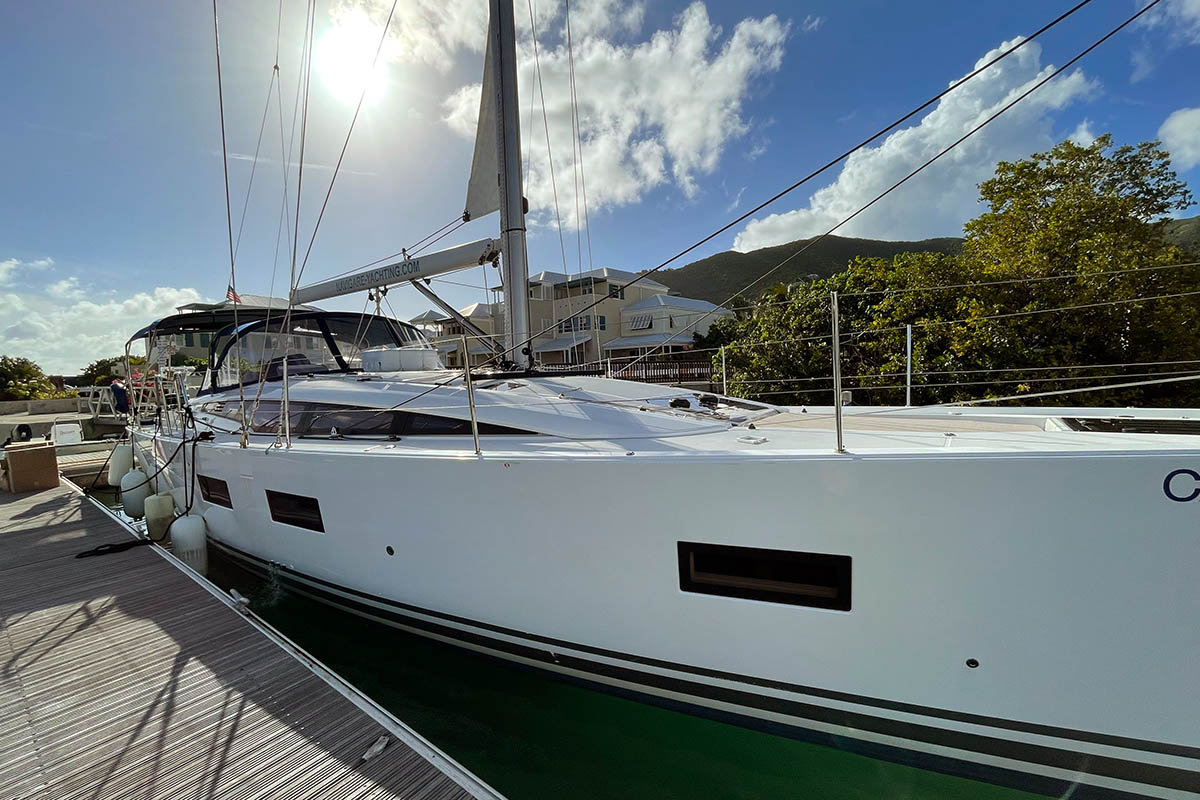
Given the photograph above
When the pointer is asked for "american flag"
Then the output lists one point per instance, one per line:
(230, 294)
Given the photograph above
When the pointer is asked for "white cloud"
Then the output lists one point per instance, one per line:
(432, 32)
(63, 333)
(1180, 134)
(651, 113)
(427, 32)
(1083, 134)
(737, 201)
(9, 267)
(605, 17)
(67, 289)
(1181, 19)
(940, 199)
(812, 24)
(1178, 19)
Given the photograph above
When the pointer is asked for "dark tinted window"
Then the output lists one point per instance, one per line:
(319, 419)
(429, 425)
(776, 576)
(295, 509)
(215, 491)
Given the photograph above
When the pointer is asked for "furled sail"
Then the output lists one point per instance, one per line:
(483, 189)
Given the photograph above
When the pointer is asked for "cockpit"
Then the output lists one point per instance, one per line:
(305, 344)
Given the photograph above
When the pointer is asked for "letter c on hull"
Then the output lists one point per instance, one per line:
(1171, 484)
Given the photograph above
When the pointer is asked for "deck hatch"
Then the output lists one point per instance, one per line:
(295, 509)
(819, 580)
(215, 491)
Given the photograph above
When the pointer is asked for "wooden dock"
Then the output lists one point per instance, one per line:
(124, 676)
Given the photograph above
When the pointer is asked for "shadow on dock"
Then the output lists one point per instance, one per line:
(122, 677)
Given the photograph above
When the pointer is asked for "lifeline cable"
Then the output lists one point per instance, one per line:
(833, 162)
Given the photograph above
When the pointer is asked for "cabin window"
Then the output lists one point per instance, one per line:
(320, 419)
(775, 576)
(215, 491)
(429, 425)
(295, 509)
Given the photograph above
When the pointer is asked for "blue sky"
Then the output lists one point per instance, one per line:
(114, 207)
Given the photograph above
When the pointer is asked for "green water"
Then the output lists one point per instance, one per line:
(531, 736)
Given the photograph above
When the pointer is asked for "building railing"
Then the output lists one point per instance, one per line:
(665, 371)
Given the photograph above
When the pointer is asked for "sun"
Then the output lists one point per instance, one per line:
(343, 56)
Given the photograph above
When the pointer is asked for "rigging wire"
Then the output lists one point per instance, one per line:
(337, 167)
(833, 162)
(410, 250)
(578, 137)
(1055, 73)
(254, 164)
(1035, 279)
(437, 239)
(992, 370)
(1029, 313)
(546, 126)
(228, 207)
(868, 388)
(283, 436)
(577, 173)
(284, 157)
(1032, 395)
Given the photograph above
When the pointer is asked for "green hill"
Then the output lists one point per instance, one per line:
(1185, 234)
(720, 276)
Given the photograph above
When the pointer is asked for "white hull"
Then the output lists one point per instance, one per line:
(1069, 578)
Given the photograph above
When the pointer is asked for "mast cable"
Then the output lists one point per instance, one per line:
(833, 162)
(579, 136)
(337, 167)
(906, 178)
(796, 185)
(254, 164)
(283, 435)
(228, 207)
(410, 249)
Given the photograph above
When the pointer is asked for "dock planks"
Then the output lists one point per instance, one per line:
(122, 677)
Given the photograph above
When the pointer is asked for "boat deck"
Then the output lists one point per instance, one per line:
(124, 676)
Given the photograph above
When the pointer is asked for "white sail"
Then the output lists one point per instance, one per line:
(483, 188)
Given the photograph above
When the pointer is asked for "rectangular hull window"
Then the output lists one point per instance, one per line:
(215, 491)
(295, 509)
(774, 576)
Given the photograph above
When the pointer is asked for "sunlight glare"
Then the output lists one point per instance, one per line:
(343, 57)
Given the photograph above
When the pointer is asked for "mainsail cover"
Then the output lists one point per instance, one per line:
(483, 189)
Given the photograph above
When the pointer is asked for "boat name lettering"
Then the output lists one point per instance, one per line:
(379, 277)
(1177, 481)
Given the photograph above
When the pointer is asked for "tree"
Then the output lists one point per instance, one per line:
(101, 371)
(22, 379)
(1077, 208)
(1065, 269)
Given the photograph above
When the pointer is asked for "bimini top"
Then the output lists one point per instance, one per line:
(209, 321)
(313, 342)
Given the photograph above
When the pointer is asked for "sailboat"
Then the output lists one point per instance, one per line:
(1007, 594)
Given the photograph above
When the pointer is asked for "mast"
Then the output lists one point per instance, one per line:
(512, 200)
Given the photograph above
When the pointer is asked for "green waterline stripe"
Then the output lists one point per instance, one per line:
(1134, 771)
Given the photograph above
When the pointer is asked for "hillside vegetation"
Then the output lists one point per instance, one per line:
(1060, 292)
(1184, 234)
(720, 276)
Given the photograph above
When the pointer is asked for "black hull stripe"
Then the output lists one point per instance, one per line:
(1122, 769)
(1128, 743)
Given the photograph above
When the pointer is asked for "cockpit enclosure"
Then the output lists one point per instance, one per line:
(311, 342)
